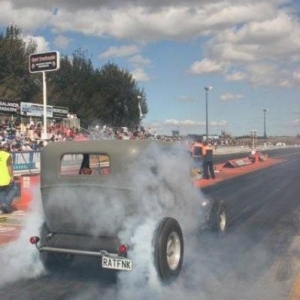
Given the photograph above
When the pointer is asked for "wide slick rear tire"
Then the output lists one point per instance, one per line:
(168, 249)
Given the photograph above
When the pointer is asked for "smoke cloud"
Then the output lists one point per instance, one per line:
(159, 186)
(20, 259)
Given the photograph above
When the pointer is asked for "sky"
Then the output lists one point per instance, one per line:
(248, 52)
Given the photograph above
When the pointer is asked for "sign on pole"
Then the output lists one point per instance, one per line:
(43, 62)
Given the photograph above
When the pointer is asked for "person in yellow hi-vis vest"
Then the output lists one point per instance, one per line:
(8, 188)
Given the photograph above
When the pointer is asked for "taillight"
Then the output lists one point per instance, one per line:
(34, 240)
(123, 250)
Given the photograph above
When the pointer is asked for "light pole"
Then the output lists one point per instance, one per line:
(207, 89)
(265, 123)
(140, 109)
(253, 134)
(139, 106)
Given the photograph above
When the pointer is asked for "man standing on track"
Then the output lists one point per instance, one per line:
(196, 153)
(208, 162)
(8, 187)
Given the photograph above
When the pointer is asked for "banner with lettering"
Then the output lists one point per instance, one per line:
(26, 162)
(9, 107)
(35, 110)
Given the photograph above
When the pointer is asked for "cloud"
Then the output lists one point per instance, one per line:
(121, 51)
(296, 76)
(264, 50)
(139, 60)
(62, 41)
(29, 19)
(218, 124)
(235, 76)
(269, 39)
(41, 42)
(237, 34)
(185, 126)
(172, 122)
(205, 66)
(226, 14)
(263, 74)
(230, 97)
(295, 123)
(285, 83)
(139, 74)
(147, 21)
(290, 80)
(233, 53)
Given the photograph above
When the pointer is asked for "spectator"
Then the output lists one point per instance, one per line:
(208, 165)
(26, 146)
(196, 153)
(8, 187)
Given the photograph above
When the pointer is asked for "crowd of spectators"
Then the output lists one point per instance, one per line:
(121, 133)
(125, 133)
(27, 137)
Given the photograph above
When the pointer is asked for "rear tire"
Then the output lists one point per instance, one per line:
(53, 261)
(168, 249)
(218, 218)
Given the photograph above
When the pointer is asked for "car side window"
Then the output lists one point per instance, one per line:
(92, 164)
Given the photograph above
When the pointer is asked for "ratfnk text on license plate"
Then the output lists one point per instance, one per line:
(116, 263)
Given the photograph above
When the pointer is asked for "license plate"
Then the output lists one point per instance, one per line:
(116, 263)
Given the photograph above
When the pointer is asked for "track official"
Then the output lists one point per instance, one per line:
(196, 153)
(8, 188)
(208, 161)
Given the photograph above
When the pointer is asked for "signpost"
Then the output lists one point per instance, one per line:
(42, 63)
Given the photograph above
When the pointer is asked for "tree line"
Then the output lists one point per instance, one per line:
(108, 95)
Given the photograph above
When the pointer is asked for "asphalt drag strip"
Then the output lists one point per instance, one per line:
(11, 225)
(258, 259)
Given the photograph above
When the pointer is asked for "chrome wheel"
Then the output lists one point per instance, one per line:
(218, 221)
(222, 221)
(168, 249)
(173, 250)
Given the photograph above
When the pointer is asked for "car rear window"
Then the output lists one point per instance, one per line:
(84, 164)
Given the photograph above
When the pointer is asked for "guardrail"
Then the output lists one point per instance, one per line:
(240, 149)
(28, 162)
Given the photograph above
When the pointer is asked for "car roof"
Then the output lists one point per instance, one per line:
(121, 154)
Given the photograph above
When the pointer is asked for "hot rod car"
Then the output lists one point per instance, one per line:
(93, 201)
